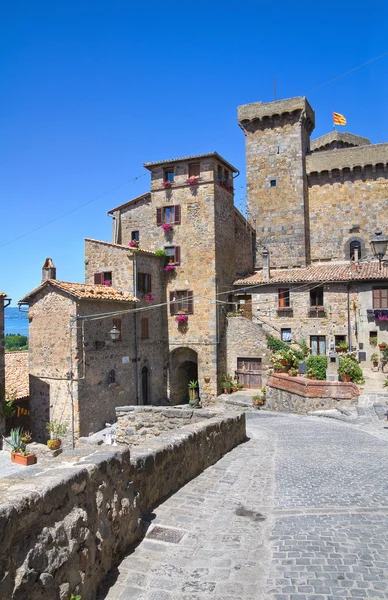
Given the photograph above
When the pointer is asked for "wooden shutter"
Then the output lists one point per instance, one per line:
(117, 323)
(177, 255)
(384, 298)
(159, 216)
(177, 214)
(284, 295)
(144, 327)
(194, 170)
(173, 309)
(98, 278)
(376, 299)
(190, 302)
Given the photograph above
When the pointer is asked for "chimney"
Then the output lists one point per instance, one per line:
(266, 268)
(48, 270)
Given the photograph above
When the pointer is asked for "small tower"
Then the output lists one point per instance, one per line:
(48, 270)
(277, 141)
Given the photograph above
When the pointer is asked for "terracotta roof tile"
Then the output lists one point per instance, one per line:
(149, 165)
(315, 273)
(128, 248)
(83, 291)
(16, 375)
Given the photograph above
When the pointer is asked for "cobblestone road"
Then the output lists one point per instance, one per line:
(298, 512)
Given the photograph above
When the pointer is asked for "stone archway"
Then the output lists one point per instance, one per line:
(183, 368)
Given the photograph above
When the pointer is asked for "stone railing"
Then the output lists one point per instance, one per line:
(301, 395)
(62, 529)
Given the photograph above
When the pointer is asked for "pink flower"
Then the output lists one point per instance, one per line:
(167, 227)
(149, 298)
(106, 282)
(166, 184)
(134, 244)
(181, 318)
(192, 180)
(169, 268)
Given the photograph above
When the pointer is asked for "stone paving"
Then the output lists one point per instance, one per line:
(298, 512)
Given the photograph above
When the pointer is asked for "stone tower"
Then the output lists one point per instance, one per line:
(277, 141)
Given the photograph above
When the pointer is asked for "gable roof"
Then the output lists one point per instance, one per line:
(334, 272)
(16, 375)
(130, 202)
(81, 291)
(127, 248)
(150, 165)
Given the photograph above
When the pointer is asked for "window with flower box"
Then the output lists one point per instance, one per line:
(380, 298)
(144, 282)
(194, 170)
(168, 214)
(168, 174)
(173, 254)
(181, 302)
(104, 278)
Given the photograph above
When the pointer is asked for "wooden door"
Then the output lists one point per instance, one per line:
(249, 372)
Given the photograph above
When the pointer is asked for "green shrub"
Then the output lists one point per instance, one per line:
(316, 366)
(348, 366)
(277, 345)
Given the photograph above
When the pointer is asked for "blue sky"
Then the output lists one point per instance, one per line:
(89, 91)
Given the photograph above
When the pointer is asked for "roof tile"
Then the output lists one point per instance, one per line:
(16, 375)
(83, 291)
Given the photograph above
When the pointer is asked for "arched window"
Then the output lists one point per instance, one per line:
(355, 250)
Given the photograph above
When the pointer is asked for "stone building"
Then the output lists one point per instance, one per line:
(189, 214)
(4, 302)
(315, 205)
(78, 373)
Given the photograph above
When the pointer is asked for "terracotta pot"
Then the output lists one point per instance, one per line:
(345, 378)
(207, 379)
(375, 363)
(382, 346)
(284, 363)
(54, 444)
(313, 377)
(21, 459)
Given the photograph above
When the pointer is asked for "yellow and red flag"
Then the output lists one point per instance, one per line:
(338, 119)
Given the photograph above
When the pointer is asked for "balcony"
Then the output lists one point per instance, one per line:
(316, 312)
(285, 311)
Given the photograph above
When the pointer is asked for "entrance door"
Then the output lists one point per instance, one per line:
(318, 344)
(249, 372)
(144, 385)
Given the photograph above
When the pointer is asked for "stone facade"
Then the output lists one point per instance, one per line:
(246, 339)
(299, 395)
(2, 366)
(61, 535)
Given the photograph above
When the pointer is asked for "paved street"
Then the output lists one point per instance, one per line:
(298, 512)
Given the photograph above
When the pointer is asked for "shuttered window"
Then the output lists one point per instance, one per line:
(117, 323)
(173, 254)
(168, 214)
(380, 298)
(284, 297)
(181, 302)
(144, 328)
(103, 278)
(194, 170)
(144, 282)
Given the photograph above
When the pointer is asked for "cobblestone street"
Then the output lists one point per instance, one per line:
(298, 512)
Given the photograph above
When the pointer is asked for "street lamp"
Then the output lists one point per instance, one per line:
(114, 333)
(379, 246)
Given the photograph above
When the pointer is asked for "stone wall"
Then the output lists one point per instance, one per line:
(137, 424)
(245, 240)
(300, 395)
(63, 534)
(346, 205)
(246, 339)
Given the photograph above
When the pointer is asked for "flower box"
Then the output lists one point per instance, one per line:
(23, 459)
(192, 180)
(149, 298)
(134, 244)
(169, 268)
(166, 184)
(167, 227)
(181, 318)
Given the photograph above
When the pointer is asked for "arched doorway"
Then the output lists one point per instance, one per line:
(144, 386)
(183, 369)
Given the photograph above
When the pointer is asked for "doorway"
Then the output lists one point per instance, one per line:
(249, 372)
(144, 386)
(183, 369)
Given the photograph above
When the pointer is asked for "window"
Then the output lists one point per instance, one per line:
(226, 175)
(144, 328)
(135, 236)
(168, 174)
(144, 282)
(112, 377)
(355, 250)
(181, 302)
(103, 278)
(380, 298)
(272, 183)
(117, 323)
(284, 297)
(318, 344)
(194, 170)
(219, 173)
(168, 214)
(316, 297)
(173, 254)
(286, 334)
(373, 338)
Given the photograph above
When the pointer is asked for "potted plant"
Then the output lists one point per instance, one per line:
(26, 437)
(349, 370)
(310, 374)
(375, 359)
(258, 400)
(19, 453)
(293, 372)
(382, 345)
(181, 319)
(373, 341)
(342, 347)
(226, 386)
(278, 367)
(193, 394)
(55, 429)
(167, 227)
(240, 386)
(133, 244)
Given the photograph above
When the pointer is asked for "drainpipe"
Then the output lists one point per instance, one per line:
(135, 329)
(349, 324)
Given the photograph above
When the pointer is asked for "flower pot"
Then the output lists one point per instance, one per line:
(382, 345)
(285, 363)
(23, 459)
(345, 378)
(226, 390)
(54, 444)
(206, 379)
(313, 377)
(375, 363)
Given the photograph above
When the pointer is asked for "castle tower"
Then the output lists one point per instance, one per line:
(277, 141)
